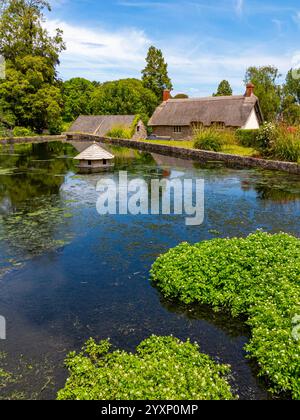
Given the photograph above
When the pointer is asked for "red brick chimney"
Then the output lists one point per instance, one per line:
(249, 90)
(166, 95)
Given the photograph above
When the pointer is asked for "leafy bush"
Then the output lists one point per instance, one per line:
(265, 137)
(286, 145)
(22, 132)
(208, 139)
(55, 127)
(247, 138)
(257, 277)
(4, 132)
(163, 368)
(119, 133)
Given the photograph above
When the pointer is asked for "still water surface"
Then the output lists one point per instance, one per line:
(67, 274)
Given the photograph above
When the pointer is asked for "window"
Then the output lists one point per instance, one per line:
(177, 129)
(89, 162)
(138, 129)
(104, 161)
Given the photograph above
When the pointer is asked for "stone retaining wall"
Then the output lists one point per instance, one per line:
(196, 155)
(34, 139)
(191, 154)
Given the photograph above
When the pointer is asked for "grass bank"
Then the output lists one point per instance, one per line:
(233, 149)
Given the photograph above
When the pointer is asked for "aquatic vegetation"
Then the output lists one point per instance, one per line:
(163, 368)
(38, 227)
(257, 277)
(14, 380)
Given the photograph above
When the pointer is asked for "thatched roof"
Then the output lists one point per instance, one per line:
(94, 152)
(234, 111)
(99, 125)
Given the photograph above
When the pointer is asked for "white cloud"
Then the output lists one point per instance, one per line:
(99, 54)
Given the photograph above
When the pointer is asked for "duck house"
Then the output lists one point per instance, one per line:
(95, 159)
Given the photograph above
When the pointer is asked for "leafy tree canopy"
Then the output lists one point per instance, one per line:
(122, 97)
(27, 100)
(291, 110)
(155, 75)
(30, 94)
(266, 89)
(224, 89)
(77, 93)
(292, 85)
(181, 96)
(22, 34)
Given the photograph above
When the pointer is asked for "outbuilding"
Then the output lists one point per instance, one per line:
(95, 159)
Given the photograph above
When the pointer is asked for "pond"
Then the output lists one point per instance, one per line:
(67, 273)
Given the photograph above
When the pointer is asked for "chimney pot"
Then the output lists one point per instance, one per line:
(249, 90)
(166, 95)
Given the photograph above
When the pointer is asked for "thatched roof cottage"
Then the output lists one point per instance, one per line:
(177, 118)
(100, 125)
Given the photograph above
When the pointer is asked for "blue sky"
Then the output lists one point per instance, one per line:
(203, 42)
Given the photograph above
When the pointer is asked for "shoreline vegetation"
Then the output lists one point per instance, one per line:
(231, 154)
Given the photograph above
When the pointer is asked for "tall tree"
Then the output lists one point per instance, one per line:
(292, 85)
(290, 110)
(155, 75)
(224, 89)
(30, 92)
(266, 89)
(22, 33)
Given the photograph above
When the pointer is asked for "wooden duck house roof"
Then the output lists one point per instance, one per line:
(94, 152)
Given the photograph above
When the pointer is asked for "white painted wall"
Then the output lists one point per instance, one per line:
(252, 122)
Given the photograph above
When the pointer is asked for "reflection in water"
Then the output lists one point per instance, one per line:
(274, 186)
(74, 274)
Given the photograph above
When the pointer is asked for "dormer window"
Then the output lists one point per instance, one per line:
(197, 125)
(218, 124)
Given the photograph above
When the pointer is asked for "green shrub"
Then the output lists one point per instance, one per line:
(257, 277)
(286, 145)
(55, 127)
(22, 132)
(119, 133)
(247, 138)
(163, 368)
(4, 132)
(208, 139)
(265, 137)
(65, 126)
